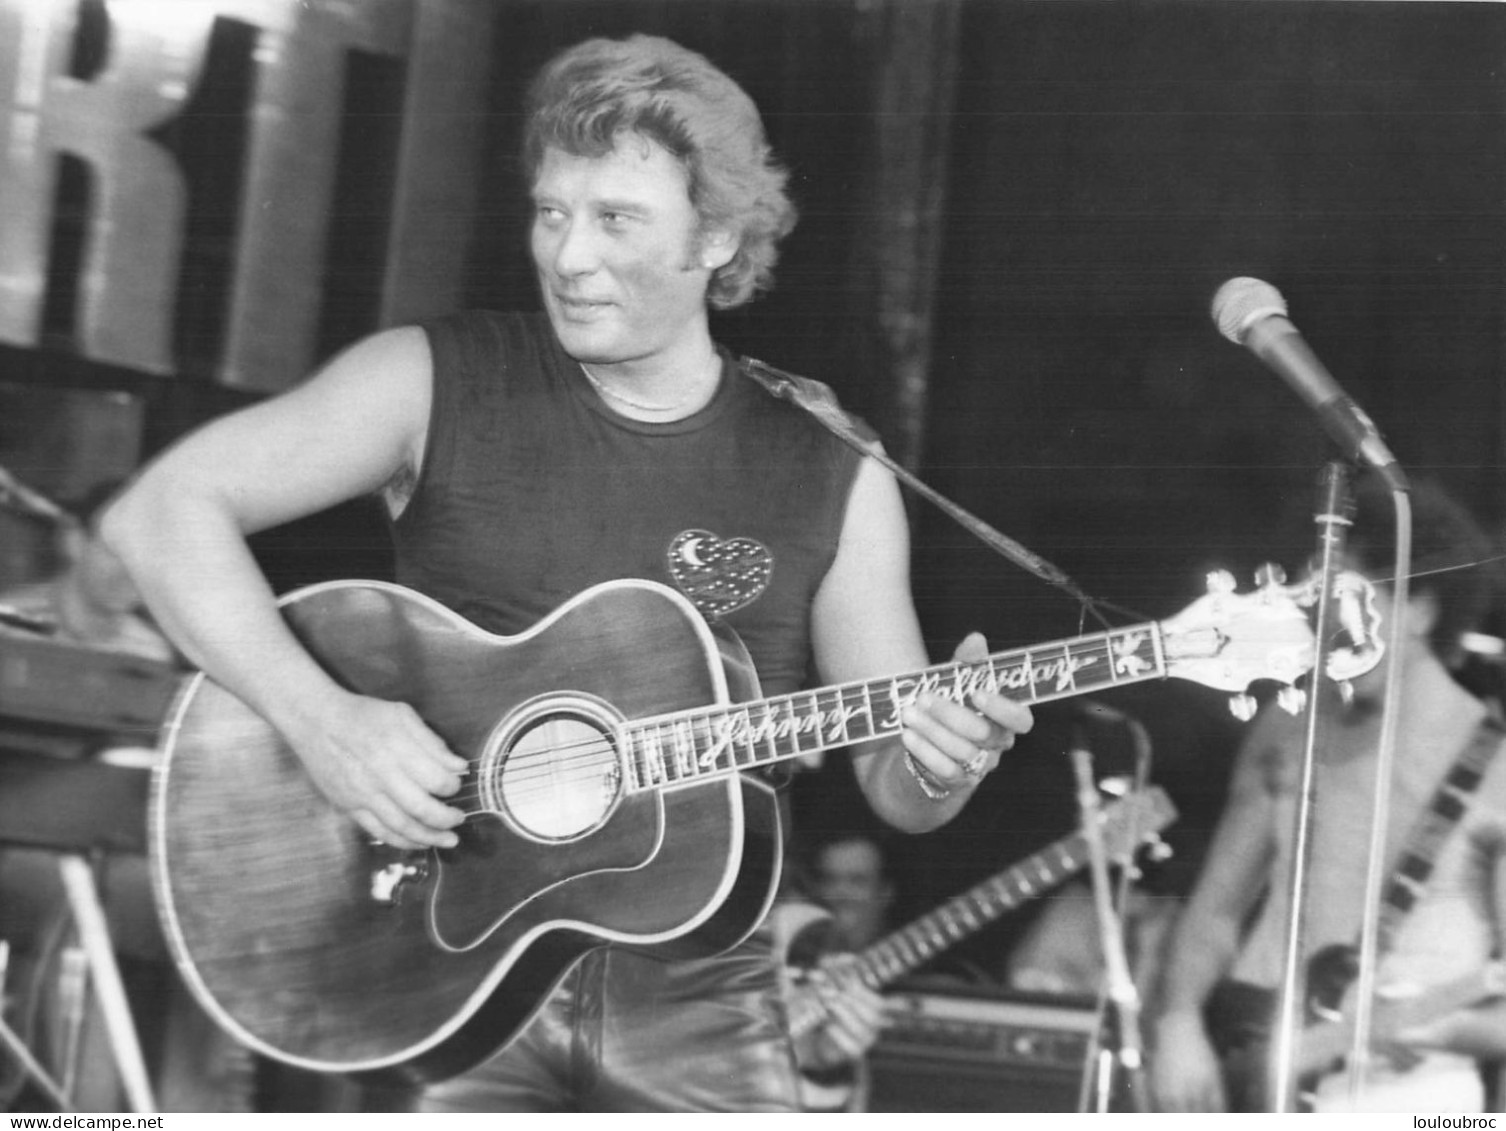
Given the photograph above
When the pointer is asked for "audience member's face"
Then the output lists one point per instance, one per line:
(850, 881)
(614, 241)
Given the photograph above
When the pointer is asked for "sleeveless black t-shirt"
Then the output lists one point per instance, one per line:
(532, 490)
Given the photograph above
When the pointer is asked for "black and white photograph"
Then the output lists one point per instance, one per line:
(752, 556)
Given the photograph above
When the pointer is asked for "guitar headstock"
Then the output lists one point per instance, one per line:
(1231, 640)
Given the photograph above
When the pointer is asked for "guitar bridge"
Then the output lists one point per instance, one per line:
(387, 883)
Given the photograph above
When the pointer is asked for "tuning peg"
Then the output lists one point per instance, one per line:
(1346, 692)
(1159, 850)
(1221, 581)
(1270, 574)
(1115, 786)
(1292, 699)
(1243, 707)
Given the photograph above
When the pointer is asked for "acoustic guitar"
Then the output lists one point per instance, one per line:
(609, 801)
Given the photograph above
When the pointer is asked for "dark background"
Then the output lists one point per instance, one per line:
(1111, 163)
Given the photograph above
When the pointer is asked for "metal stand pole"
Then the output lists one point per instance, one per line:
(94, 933)
(1380, 815)
(1333, 520)
(1124, 1051)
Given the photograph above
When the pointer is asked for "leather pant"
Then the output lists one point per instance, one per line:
(625, 1032)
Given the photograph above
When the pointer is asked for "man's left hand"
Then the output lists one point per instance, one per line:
(953, 746)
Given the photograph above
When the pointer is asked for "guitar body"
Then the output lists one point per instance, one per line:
(319, 948)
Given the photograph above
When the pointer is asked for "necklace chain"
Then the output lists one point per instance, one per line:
(641, 406)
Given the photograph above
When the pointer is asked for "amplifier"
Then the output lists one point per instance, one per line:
(971, 1050)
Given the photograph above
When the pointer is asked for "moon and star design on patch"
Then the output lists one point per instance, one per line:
(719, 575)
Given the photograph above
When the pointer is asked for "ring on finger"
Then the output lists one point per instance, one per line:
(975, 767)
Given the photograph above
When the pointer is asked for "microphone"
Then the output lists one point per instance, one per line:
(1252, 313)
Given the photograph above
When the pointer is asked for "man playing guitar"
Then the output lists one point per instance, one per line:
(1225, 958)
(527, 458)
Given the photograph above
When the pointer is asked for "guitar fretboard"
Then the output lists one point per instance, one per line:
(918, 942)
(707, 742)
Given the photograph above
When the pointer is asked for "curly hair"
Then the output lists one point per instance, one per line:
(1453, 559)
(591, 93)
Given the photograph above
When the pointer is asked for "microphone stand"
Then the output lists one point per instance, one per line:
(1385, 758)
(1332, 519)
(1124, 1045)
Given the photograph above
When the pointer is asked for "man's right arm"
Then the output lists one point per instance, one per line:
(1185, 1072)
(180, 531)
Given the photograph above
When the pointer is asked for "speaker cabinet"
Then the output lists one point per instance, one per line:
(957, 1051)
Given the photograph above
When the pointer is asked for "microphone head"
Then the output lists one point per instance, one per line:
(1242, 302)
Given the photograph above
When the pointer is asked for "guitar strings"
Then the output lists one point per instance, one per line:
(532, 773)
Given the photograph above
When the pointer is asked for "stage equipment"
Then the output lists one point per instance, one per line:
(45, 679)
(1118, 1056)
(103, 819)
(66, 697)
(972, 1050)
(1252, 313)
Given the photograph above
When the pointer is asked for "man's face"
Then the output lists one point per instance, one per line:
(614, 241)
(850, 882)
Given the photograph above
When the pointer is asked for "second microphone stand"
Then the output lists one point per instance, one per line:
(1118, 1051)
(1333, 518)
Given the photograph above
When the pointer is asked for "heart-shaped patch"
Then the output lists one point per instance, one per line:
(719, 575)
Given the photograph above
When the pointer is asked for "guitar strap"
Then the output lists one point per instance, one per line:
(1449, 803)
(818, 400)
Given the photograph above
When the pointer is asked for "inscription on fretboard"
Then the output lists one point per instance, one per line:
(691, 745)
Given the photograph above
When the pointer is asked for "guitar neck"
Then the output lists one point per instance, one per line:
(1122, 827)
(916, 943)
(708, 742)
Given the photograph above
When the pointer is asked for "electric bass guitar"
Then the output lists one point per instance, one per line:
(1124, 826)
(1324, 1044)
(609, 801)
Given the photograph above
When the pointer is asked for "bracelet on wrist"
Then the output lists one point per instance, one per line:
(933, 790)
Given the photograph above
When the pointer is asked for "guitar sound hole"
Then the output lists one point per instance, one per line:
(557, 777)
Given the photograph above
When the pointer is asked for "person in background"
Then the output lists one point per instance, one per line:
(850, 878)
(839, 905)
(1211, 1035)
